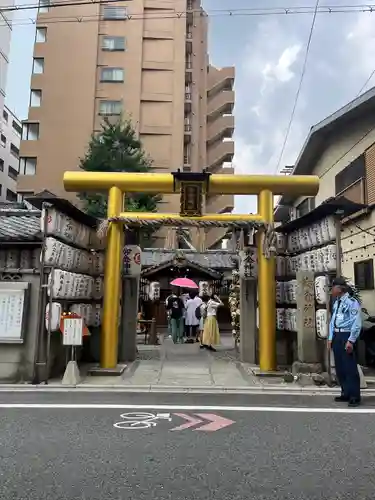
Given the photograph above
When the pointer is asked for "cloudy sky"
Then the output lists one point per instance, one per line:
(268, 53)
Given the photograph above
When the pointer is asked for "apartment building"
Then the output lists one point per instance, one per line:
(341, 151)
(145, 58)
(5, 36)
(10, 138)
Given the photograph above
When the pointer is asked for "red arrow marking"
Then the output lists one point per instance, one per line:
(190, 422)
(215, 424)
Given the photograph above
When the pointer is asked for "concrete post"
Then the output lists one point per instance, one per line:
(129, 311)
(248, 294)
(306, 336)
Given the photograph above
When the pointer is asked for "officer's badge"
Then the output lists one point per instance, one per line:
(354, 312)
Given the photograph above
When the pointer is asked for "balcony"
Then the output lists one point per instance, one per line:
(188, 71)
(189, 41)
(220, 203)
(220, 129)
(220, 79)
(188, 101)
(187, 162)
(187, 133)
(214, 235)
(219, 153)
(226, 171)
(220, 104)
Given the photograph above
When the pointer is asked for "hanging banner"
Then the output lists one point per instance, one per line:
(131, 260)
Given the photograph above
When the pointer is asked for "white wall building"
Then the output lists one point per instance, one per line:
(5, 35)
(10, 126)
(10, 138)
(341, 151)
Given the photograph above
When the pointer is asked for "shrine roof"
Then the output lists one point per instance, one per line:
(19, 224)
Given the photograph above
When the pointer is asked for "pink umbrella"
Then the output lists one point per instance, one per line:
(184, 283)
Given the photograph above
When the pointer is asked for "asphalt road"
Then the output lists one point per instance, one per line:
(276, 448)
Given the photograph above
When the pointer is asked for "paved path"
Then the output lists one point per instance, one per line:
(68, 448)
(184, 365)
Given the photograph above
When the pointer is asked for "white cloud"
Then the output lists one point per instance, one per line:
(268, 68)
(360, 46)
(282, 69)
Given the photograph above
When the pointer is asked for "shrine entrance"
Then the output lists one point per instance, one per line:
(192, 188)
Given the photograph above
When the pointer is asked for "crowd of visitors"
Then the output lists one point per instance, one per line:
(192, 318)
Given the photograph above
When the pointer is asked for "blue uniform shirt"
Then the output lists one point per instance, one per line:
(347, 317)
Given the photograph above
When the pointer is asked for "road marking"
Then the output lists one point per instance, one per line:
(270, 409)
(191, 421)
(216, 422)
(136, 420)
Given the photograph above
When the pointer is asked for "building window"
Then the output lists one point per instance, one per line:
(110, 108)
(364, 274)
(112, 75)
(112, 13)
(11, 196)
(14, 151)
(3, 140)
(30, 131)
(113, 43)
(17, 128)
(1, 165)
(355, 171)
(35, 98)
(44, 6)
(41, 35)
(27, 166)
(38, 65)
(305, 206)
(12, 173)
(5, 116)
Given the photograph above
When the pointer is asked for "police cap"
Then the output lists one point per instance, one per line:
(339, 281)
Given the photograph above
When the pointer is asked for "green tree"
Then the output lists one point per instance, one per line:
(116, 149)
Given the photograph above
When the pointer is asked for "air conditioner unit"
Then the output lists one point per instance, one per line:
(293, 213)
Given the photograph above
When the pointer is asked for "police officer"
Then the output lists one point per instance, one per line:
(344, 330)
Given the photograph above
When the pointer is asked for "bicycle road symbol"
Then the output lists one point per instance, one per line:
(141, 420)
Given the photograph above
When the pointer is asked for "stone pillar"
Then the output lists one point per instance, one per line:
(248, 295)
(306, 334)
(129, 312)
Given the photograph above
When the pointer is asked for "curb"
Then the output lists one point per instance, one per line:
(254, 390)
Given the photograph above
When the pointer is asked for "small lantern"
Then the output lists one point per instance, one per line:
(154, 293)
(203, 288)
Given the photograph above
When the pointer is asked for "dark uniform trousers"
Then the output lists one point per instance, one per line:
(346, 366)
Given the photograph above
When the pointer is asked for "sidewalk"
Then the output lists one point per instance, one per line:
(185, 368)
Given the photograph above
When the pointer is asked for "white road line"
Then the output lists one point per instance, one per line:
(269, 409)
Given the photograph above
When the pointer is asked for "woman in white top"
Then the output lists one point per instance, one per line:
(211, 333)
(191, 320)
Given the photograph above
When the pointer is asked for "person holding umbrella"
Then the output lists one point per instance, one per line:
(188, 284)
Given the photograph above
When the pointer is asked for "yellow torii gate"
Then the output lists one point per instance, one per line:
(117, 184)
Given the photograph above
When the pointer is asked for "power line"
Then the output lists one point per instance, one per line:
(255, 10)
(181, 15)
(366, 82)
(299, 86)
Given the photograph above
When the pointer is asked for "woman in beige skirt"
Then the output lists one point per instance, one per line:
(211, 334)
